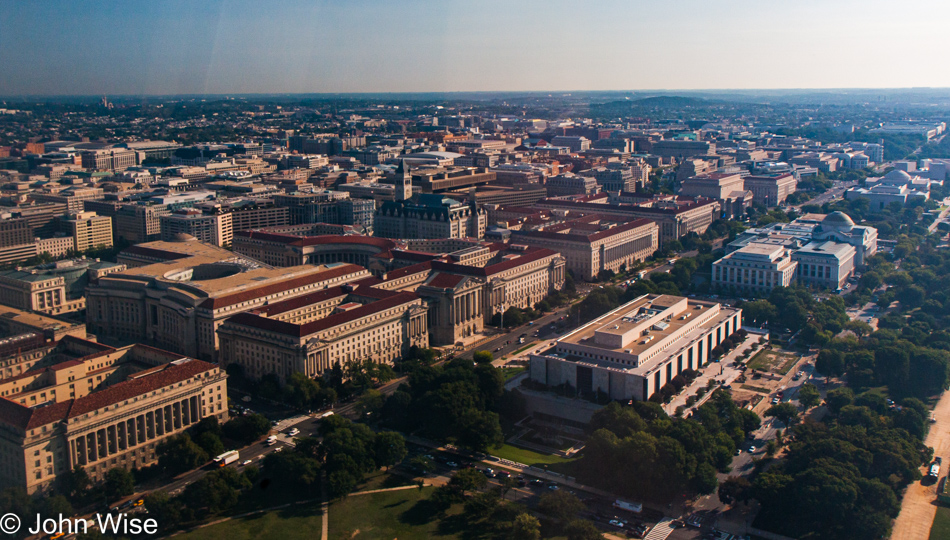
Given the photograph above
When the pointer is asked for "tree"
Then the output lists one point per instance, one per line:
(560, 504)
(246, 429)
(735, 489)
(371, 403)
(216, 491)
(74, 483)
(482, 357)
(481, 505)
(165, 510)
(467, 480)
(581, 529)
(839, 398)
(118, 483)
(809, 396)
(784, 412)
(179, 454)
(525, 527)
(389, 448)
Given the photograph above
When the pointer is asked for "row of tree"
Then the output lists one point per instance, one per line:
(673, 455)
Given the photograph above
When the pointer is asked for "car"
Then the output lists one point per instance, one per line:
(553, 487)
(738, 451)
(489, 473)
(278, 449)
(752, 449)
(522, 482)
(452, 464)
(618, 523)
(246, 462)
(293, 432)
(775, 401)
(139, 502)
(536, 483)
(503, 474)
(695, 520)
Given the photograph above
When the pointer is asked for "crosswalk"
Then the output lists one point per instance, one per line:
(660, 531)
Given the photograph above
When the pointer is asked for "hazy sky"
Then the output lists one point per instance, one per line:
(212, 46)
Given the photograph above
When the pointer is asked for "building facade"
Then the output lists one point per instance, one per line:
(636, 349)
(756, 267)
(83, 404)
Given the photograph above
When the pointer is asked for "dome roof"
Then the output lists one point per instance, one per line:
(896, 177)
(182, 237)
(837, 221)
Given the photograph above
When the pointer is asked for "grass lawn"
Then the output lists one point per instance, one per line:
(528, 457)
(941, 527)
(773, 361)
(393, 514)
(756, 388)
(509, 373)
(289, 523)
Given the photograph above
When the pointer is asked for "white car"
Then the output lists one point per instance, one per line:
(246, 463)
(293, 432)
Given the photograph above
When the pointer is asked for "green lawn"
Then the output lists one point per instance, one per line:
(289, 523)
(773, 361)
(509, 373)
(528, 457)
(526, 347)
(941, 527)
(393, 514)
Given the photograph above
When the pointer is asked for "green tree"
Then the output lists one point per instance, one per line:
(118, 483)
(560, 504)
(735, 489)
(809, 396)
(468, 480)
(525, 527)
(247, 429)
(481, 505)
(389, 448)
(839, 398)
(371, 403)
(179, 454)
(164, 509)
(581, 529)
(784, 412)
(75, 483)
(482, 357)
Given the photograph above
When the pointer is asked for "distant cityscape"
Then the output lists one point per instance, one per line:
(565, 267)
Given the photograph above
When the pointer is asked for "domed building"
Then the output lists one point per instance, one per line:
(839, 227)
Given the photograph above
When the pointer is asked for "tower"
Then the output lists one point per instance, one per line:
(403, 182)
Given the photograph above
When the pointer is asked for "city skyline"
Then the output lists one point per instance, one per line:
(170, 48)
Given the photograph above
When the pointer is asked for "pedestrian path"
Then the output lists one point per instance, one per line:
(660, 531)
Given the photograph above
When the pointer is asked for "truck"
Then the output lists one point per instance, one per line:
(271, 441)
(521, 338)
(226, 458)
(935, 469)
(628, 506)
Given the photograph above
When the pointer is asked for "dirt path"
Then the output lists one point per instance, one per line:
(919, 505)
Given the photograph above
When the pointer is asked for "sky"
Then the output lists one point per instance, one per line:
(156, 47)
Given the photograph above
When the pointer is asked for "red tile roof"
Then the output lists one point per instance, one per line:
(24, 417)
(531, 255)
(301, 330)
(409, 270)
(444, 281)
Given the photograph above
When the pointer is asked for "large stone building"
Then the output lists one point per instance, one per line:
(311, 333)
(593, 243)
(771, 189)
(826, 264)
(676, 216)
(52, 288)
(432, 216)
(756, 267)
(88, 230)
(77, 403)
(179, 300)
(636, 349)
(727, 188)
(286, 249)
(109, 159)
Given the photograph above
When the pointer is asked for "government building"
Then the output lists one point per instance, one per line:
(636, 349)
(176, 294)
(74, 402)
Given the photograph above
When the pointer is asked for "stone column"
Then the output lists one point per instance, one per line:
(169, 419)
(122, 438)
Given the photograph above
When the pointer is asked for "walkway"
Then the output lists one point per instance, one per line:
(918, 507)
(661, 530)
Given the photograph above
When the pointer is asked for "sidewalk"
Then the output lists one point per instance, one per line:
(721, 370)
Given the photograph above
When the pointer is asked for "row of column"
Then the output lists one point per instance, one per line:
(466, 307)
(119, 437)
(417, 326)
